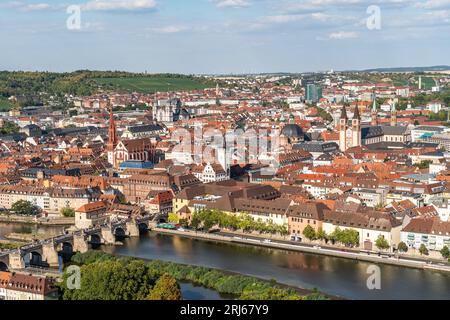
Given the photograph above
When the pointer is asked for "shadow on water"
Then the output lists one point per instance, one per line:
(190, 291)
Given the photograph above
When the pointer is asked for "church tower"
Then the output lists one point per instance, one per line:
(112, 137)
(343, 130)
(374, 115)
(393, 115)
(356, 128)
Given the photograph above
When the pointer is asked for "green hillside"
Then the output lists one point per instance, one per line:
(5, 105)
(153, 84)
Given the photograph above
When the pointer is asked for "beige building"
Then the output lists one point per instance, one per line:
(50, 200)
(90, 215)
(369, 225)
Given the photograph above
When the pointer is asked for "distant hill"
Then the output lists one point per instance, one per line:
(409, 69)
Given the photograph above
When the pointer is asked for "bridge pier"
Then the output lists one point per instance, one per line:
(16, 261)
(80, 244)
(50, 254)
(108, 236)
(133, 229)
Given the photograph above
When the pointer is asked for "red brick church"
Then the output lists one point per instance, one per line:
(127, 150)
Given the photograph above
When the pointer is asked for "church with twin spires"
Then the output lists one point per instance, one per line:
(352, 133)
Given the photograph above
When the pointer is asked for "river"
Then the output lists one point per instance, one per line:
(335, 276)
(7, 228)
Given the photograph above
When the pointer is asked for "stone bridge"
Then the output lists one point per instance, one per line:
(48, 252)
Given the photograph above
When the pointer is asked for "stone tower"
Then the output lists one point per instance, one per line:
(374, 115)
(393, 115)
(112, 136)
(343, 130)
(356, 128)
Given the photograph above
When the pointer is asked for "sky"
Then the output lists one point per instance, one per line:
(222, 36)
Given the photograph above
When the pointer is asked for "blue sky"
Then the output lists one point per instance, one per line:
(223, 36)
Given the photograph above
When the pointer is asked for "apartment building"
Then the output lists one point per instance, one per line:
(429, 231)
(51, 200)
(370, 225)
(18, 286)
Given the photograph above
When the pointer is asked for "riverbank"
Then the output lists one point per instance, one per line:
(27, 237)
(314, 249)
(8, 245)
(235, 284)
(59, 221)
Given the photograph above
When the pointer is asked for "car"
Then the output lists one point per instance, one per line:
(267, 241)
(182, 229)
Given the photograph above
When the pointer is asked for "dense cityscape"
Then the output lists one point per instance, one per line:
(345, 164)
(224, 158)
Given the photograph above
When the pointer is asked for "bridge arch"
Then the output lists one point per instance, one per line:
(95, 239)
(119, 233)
(3, 266)
(65, 250)
(143, 227)
(35, 258)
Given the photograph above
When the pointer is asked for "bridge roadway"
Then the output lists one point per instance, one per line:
(47, 250)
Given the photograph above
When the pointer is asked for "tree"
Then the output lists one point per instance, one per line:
(195, 222)
(382, 243)
(348, 237)
(166, 288)
(445, 252)
(184, 223)
(111, 280)
(25, 208)
(9, 127)
(425, 164)
(335, 235)
(402, 247)
(321, 235)
(309, 232)
(68, 212)
(173, 217)
(423, 250)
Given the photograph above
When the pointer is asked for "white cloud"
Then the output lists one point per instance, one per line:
(232, 3)
(169, 29)
(285, 18)
(119, 5)
(433, 4)
(340, 35)
(37, 7)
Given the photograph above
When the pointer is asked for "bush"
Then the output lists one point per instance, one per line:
(402, 247)
(68, 212)
(445, 252)
(423, 250)
(166, 288)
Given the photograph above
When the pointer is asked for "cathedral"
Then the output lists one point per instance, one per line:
(169, 111)
(352, 133)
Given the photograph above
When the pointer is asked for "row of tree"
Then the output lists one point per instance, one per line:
(26, 208)
(347, 237)
(207, 219)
